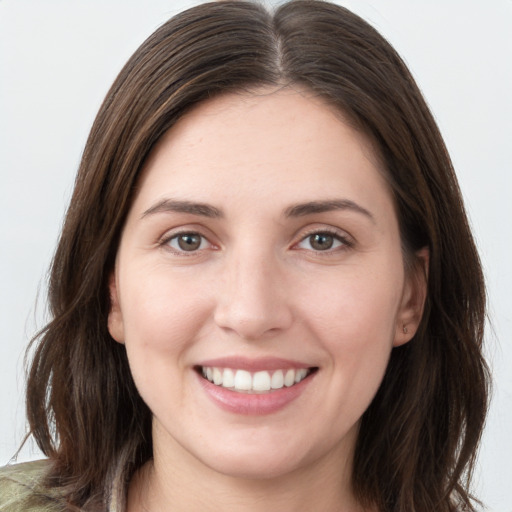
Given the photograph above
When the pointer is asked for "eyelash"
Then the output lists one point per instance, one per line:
(343, 239)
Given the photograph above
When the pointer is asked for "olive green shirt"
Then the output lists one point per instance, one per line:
(21, 490)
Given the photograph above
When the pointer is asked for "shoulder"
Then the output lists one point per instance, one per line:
(21, 489)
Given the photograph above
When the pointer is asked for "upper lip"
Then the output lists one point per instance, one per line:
(254, 364)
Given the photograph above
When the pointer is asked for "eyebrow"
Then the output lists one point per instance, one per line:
(312, 207)
(177, 206)
(297, 210)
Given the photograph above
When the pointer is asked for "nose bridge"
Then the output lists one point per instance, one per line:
(253, 300)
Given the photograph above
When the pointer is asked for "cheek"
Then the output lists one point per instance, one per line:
(356, 306)
(162, 316)
(355, 323)
(163, 305)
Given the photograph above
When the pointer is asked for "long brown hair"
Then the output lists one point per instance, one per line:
(417, 442)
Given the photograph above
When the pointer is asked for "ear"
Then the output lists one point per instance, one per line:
(413, 298)
(115, 316)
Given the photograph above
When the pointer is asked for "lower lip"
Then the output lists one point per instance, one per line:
(253, 404)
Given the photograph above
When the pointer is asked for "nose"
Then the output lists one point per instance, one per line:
(253, 301)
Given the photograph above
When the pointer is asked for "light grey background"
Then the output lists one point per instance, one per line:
(57, 60)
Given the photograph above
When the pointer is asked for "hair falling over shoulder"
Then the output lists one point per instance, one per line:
(418, 439)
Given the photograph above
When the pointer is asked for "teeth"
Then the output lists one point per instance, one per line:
(217, 376)
(277, 381)
(261, 381)
(228, 380)
(300, 374)
(289, 378)
(242, 380)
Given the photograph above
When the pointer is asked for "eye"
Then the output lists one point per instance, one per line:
(322, 241)
(187, 242)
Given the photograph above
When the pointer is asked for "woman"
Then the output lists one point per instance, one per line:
(266, 294)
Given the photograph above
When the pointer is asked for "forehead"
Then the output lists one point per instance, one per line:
(282, 141)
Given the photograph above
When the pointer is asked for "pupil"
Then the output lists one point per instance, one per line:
(189, 242)
(321, 242)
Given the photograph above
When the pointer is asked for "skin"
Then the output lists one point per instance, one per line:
(257, 287)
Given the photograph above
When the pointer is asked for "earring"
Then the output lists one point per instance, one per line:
(405, 329)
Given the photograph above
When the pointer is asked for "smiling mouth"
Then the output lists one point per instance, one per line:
(243, 381)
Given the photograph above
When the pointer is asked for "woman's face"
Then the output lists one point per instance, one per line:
(259, 286)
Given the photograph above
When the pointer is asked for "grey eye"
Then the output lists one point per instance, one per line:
(187, 242)
(321, 241)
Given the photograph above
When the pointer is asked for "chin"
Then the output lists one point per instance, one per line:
(255, 467)
(253, 456)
